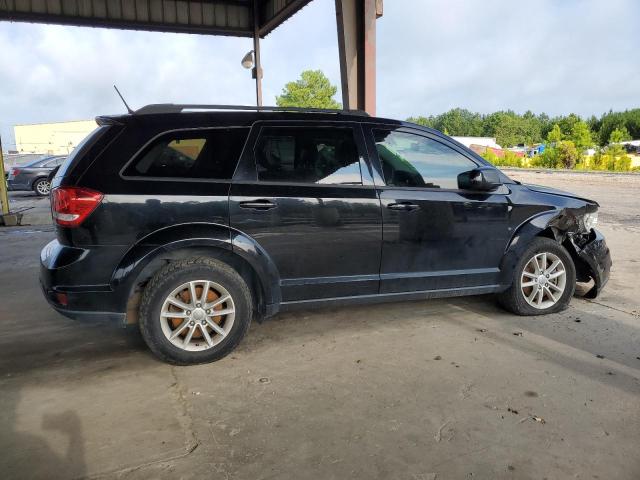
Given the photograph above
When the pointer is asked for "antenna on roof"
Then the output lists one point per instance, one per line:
(123, 100)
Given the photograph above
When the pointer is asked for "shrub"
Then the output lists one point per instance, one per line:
(547, 159)
(563, 154)
(568, 154)
(490, 156)
(510, 159)
(599, 161)
(622, 164)
(612, 159)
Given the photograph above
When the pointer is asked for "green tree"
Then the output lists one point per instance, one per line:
(555, 135)
(424, 121)
(616, 157)
(581, 136)
(312, 90)
(510, 128)
(619, 135)
(567, 123)
(629, 119)
(460, 122)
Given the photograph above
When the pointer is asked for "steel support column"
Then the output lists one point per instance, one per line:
(4, 197)
(257, 69)
(356, 22)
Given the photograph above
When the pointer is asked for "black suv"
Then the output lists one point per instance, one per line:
(193, 223)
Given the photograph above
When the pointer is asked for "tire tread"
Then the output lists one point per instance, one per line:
(512, 300)
(157, 282)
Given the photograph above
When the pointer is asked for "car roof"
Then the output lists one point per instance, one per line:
(172, 116)
(238, 117)
(38, 161)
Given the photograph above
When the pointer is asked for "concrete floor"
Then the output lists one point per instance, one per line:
(419, 390)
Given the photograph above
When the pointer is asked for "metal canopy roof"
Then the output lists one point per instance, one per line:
(212, 17)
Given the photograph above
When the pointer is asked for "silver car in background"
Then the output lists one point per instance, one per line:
(34, 175)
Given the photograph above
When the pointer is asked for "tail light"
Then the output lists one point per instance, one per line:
(70, 206)
(14, 171)
(62, 299)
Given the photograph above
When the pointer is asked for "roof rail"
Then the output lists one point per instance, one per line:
(179, 108)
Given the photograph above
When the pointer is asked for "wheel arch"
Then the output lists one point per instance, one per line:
(150, 254)
(546, 224)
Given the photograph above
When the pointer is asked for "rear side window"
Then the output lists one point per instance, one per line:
(211, 154)
(319, 155)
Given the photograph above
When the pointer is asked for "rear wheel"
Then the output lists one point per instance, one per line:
(543, 281)
(195, 311)
(42, 187)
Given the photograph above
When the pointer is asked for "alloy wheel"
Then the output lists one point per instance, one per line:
(197, 315)
(43, 187)
(543, 280)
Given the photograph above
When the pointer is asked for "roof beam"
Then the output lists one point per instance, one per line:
(274, 12)
(216, 17)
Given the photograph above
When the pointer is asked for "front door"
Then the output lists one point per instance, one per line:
(436, 236)
(304, 192)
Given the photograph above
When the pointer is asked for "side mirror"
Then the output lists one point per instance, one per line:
(481, 179)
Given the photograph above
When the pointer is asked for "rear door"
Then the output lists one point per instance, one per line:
(304, 192)
(436, 236)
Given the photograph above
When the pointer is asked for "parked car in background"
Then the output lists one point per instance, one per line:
(34, 175)
(631, 148)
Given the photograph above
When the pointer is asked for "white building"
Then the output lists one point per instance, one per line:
(58, 138)
(483, 141)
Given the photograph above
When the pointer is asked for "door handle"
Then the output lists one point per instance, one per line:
(260, 204)
(403, 206)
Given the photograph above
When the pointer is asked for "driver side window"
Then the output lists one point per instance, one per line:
(410, 160)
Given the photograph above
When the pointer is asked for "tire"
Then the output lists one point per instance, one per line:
(42, 187)
(168, 287)
(548, 251)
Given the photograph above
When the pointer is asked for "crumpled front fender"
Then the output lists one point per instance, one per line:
(592, 258)
(563, 225)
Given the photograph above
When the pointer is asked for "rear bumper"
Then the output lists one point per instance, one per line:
(16, 186)
(594, 260)
(60, 266)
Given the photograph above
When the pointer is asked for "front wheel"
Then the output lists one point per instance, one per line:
(195, 311)
(42, 187)
(544, 280)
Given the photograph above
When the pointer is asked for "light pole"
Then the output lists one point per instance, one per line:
(252, 58)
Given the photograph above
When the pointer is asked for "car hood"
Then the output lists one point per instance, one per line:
(555, 191)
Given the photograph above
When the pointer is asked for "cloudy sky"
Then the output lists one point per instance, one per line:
(556, 56)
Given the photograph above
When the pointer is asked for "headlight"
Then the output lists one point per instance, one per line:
(589, 221)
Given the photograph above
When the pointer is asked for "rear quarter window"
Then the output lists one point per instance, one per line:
(202, 154)
(74, 158)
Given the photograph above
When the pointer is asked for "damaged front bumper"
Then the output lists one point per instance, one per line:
(593, 260)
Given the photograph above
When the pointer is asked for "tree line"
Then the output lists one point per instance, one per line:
(510, 128)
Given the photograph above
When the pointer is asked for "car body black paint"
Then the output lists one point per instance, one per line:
(312, 243)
